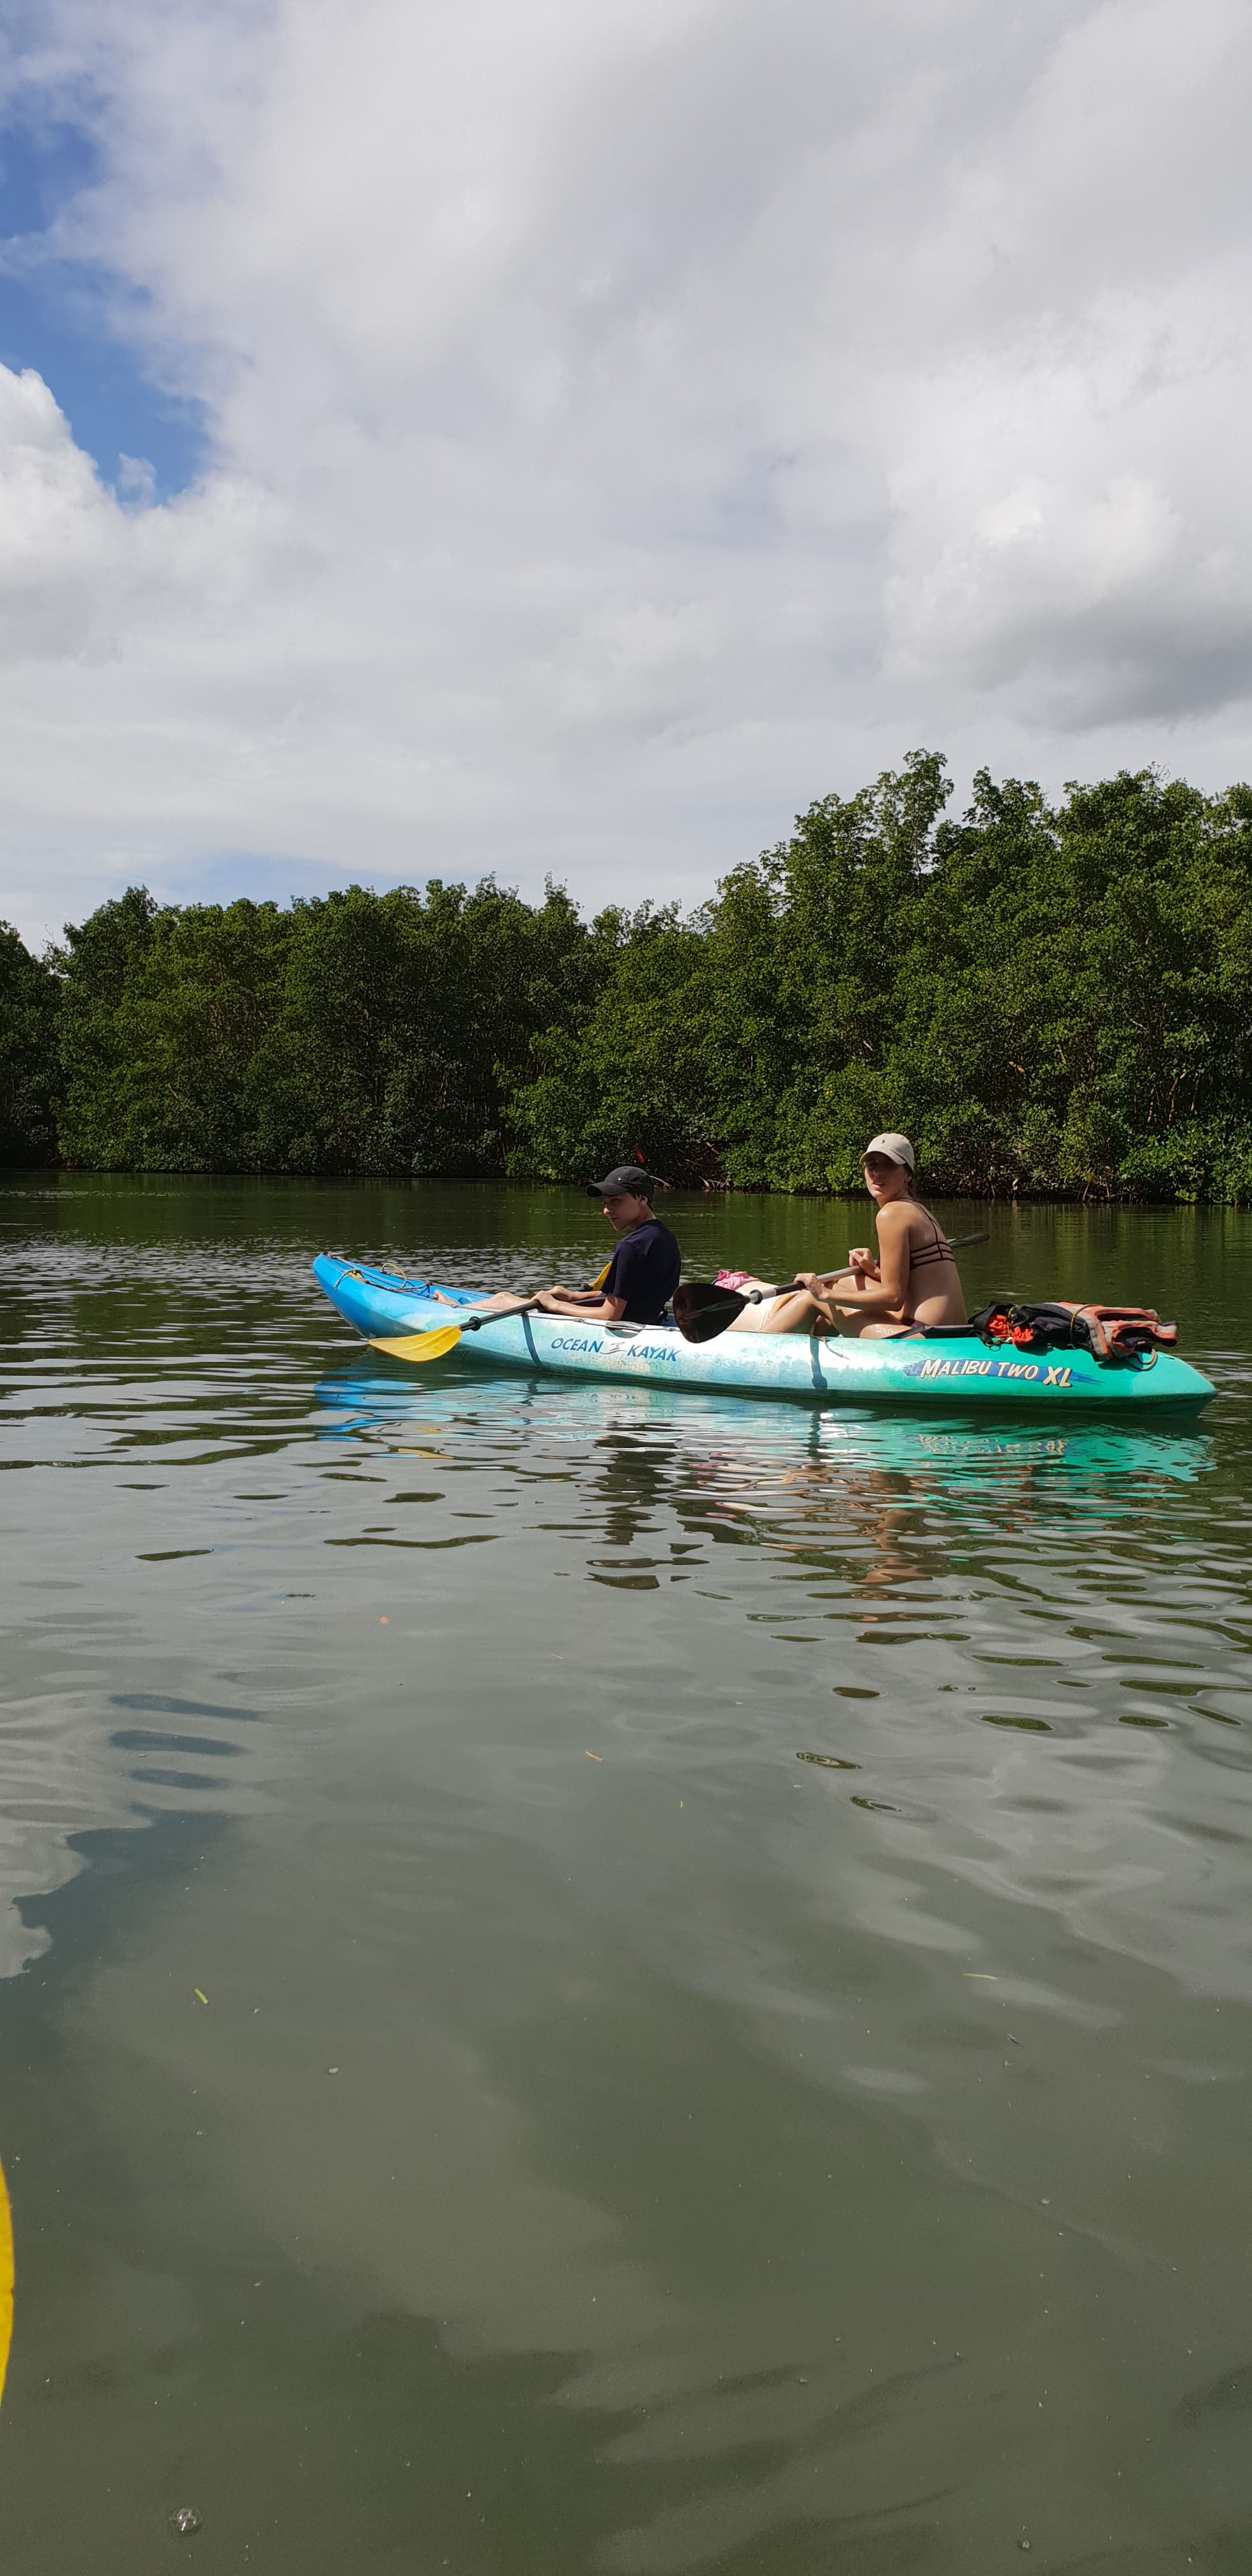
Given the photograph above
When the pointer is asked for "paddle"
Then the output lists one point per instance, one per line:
(442, 1338)
(702, 1310)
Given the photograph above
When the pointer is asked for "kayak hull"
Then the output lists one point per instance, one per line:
(961, 1370)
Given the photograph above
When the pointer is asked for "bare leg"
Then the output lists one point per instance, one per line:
(797, 1314)
(548, 1300)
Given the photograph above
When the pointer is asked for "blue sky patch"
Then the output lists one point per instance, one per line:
(62, 318)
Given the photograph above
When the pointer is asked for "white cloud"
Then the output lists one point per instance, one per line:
(627, 422)
(1075, 537)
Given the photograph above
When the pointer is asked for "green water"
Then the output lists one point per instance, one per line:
(610, 2142)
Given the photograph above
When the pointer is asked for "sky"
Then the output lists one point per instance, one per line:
(568, 436)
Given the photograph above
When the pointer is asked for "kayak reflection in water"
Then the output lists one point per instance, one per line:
(913, 1280)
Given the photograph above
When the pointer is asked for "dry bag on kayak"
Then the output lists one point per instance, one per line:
(1110, 1333)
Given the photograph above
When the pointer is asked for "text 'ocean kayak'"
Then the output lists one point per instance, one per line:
(955, 1368)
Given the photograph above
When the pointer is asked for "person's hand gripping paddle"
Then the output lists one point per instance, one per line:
(442, 1338)
(702, 1310)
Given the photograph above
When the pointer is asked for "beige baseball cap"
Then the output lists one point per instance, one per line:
(896, 1148)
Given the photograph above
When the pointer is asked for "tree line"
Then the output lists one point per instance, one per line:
(1049, 998)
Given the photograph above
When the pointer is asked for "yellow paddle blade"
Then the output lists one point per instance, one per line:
(601, 1276)
(417, 1346)
(6, 2279)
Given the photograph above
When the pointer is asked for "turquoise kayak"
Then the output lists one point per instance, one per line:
(946, 1369)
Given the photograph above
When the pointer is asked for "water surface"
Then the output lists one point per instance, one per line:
(723, 1930)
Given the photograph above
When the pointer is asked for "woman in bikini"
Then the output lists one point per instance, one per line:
(913, 1279)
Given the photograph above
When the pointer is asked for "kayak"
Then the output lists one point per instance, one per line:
(944, 1368)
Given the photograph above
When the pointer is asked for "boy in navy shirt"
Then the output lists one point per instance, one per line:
(643, 1272)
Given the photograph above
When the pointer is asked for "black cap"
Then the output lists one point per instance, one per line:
(628, 1180)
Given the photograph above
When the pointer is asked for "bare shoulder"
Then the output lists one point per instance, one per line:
(914, 1220)
(895, 1220)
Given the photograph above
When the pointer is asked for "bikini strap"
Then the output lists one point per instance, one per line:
(939, 1250)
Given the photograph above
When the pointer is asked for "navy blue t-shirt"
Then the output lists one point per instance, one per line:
(644, 1270)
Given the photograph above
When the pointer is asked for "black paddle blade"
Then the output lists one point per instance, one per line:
(702, 1311)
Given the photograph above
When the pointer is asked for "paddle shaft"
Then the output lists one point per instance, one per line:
(530, 1304)
(500, 1314)
(827, 1278)
(702, 1310)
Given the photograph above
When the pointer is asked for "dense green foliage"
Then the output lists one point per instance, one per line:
(1046, 998)
(28, 1055)
(362, 1033)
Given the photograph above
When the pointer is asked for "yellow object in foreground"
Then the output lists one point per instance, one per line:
(6, 2278)
(417, 1346)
